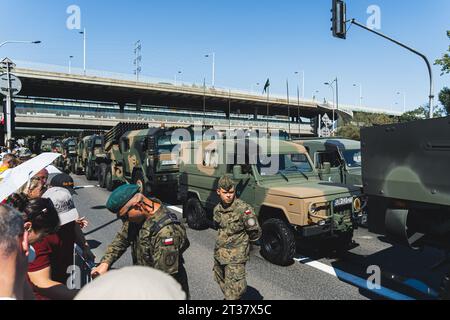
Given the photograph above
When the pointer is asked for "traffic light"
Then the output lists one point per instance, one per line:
(339, 27)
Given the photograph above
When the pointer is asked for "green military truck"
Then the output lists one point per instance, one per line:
(336, 160)
(289, 199)
(90, 153)
(405, 173)
(46, 146)
(69, 155)
(140, 155)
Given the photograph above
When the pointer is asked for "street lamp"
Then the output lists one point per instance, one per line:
(213, 67)
(335, 99)
(360, 94)
(26, 42)
(70, 64)
(253, 87)
(404, 100)
(176, 76)
(314, 95)
(303, 82)
(84, 50)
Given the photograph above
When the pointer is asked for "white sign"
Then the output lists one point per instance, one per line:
(326, 120)
(16, 84)
(326, 133)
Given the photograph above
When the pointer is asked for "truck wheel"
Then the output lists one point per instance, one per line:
(109, 183)
(195, 214)
(101, 175)
(278, 242)
(78, 169)
(88, 172)
(344, 240)
(444, 289)
(139, 180)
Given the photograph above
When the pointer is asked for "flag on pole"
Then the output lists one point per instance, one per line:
(266, 86)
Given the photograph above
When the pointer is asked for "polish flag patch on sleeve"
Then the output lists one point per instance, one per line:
(248, 212)
(168, 241)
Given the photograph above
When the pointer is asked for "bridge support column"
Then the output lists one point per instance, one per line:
(121, 106)
(139, 105)
(255, 115)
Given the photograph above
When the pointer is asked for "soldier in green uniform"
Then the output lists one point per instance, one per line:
(238, 226)
(156, 237)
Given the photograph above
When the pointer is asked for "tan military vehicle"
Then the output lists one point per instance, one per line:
(284, 188)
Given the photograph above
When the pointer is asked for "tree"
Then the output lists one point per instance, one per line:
(444, 98)
(444, 62)
(349, 131)
(421, 113)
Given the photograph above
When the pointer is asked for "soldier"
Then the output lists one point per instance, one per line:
(238, 226)
(156, 237)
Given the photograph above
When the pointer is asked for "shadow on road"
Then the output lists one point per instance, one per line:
(252, 295)
(98, 208)
(101, 227)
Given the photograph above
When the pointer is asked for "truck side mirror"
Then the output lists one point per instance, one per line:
(326, 168)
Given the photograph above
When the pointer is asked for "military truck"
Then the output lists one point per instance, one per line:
(336, 160)
(90, 154)
(291, 202)
(406, 175)
(141, 155)
(69, 155)
(46, 145)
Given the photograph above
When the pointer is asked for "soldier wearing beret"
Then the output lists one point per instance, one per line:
(238, 226)
(156, 237)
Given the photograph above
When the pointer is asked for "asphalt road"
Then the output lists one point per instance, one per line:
(315, 275)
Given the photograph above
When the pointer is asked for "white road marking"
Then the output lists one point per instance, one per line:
(85, 187)
(341, 275)
(355, 280)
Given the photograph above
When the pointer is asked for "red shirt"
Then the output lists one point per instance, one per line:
(55, 251)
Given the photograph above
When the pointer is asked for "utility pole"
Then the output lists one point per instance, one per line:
(8, 65)
(137, 58)
(84, 50)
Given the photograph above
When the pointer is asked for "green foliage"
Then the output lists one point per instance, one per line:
(421, 113)
(349, 131)
(444, 98)
(444, 62)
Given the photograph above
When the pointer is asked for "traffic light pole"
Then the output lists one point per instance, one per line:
(430, 71)
(7, 116)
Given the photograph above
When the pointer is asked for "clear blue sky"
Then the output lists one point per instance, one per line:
(253, 40)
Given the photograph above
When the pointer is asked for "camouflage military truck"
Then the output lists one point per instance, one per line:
(90, 154)
(406, 176)
(336, 160)
(291, 202)
(69, 155)
(141, 155)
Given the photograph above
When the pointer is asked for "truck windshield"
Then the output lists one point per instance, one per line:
(98, 143)
(286, 164)
(165, 144)
(352, 158)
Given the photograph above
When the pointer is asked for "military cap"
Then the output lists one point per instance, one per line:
(226, 183)
(121, 196)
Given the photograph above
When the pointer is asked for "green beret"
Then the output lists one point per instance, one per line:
(226, 183)
(121, 196)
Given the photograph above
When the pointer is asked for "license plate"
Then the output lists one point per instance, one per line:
(342, 202)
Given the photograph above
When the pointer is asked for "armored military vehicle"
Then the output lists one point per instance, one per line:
(46, 145)
(141, 155)
(287, 194)
(90, 154)
(406, 175)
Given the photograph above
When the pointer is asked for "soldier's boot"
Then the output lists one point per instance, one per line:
(235, 282)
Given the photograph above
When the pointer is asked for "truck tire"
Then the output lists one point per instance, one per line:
(101, 175)
(88, 172)
(139, 180)
(109, 183)
(344, 241)
(278, 242)
(195, 214)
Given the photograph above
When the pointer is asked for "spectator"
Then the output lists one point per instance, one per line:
(54, 255)
(133, 283)
(13, 255)
(37, 185)
(9, 162)
(40, 219)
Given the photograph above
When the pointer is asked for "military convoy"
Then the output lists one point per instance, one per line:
(90, 150)
(290, 200)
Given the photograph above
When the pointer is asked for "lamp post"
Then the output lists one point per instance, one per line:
(335, 99)
(303, 82)
(360, 94)
(176, 77)
(84, 50)
(70, 64)
(213, 67)
(25, 42)
(404, 100)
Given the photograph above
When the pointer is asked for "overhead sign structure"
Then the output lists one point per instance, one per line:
(16, 84)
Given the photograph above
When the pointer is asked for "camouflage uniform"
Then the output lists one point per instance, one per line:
(238, 225)
(158, 243)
